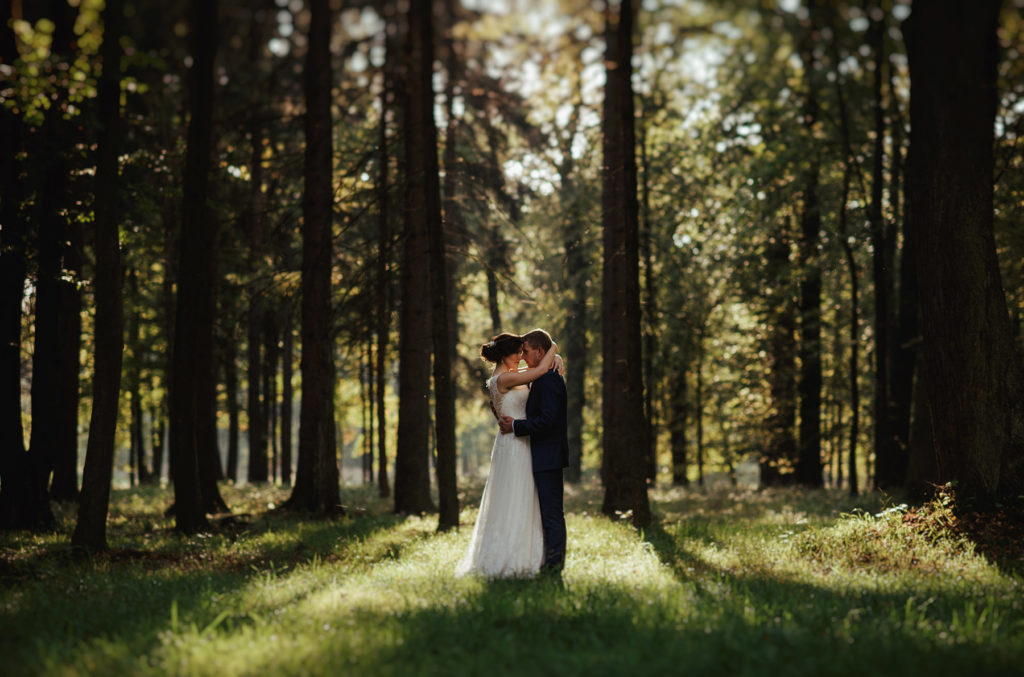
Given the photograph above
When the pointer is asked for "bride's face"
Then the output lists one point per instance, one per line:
(512, 361)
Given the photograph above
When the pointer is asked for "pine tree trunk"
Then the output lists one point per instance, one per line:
(890, 459)
(13, 238)
(287, 393)
(383, 278)
(678, 409)
(193, 329)
(256, 317)
(425, 204)
(133, 378)
(906, 346)
(230, 358)
(412, 454)
(577, 272)
(49, 365)
(91, 528)
(650, 309)
(317, 491)
(808, 468)
(781, 347)
(271, 355)
(626, 430)
(973, 370)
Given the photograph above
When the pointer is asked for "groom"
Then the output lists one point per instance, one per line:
(545, 424)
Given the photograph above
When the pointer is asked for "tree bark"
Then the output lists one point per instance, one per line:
(412, 454)
(91, 528)
(383, 277)
(650, 309)
(229, 357)
(626, 431)
(316, 490)
(890, 459)
(973, 370)
(258, 462)
(193, 328)
(882, 379)
(425, 205)
(906, 347)
(781, 447)
(678, 409)
(49, 435)
(13, 237)
(808, 468)
(577, 277)
(134, 379)
(287, 392)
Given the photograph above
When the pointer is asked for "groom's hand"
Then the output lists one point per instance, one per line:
(505, 423)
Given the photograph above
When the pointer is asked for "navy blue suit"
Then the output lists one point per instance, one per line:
(545, 425)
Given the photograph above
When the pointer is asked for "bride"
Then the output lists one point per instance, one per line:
(507, 539)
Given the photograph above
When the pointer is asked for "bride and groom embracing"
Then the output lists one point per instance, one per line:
(520, 529)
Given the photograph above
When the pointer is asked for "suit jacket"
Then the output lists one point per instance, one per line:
(545, 423)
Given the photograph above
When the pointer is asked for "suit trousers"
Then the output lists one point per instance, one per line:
(550, 490)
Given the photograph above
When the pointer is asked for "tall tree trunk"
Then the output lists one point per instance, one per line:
(808, 468)
(412, 453)
(91, 528)
(454, 228)
(678, 408)
(890, 459)
(271, 355)
(49, 363)
(229, 356)
(134, 378)
(650, 307)
(854, 368)
(193, 328)
(907, 342)
(64, 484)
(162, 413)
(849, 167)
(256, 317)
(626, 431)
(781, 447)
(383, 277)
(62, 411)
(13, 237)
(287, 393)
(973, 370)
(425, 214)
(317, 491)
(578, 273)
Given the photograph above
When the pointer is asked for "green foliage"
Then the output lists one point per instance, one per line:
(726, 583)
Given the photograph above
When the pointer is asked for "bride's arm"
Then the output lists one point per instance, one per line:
(512, 379)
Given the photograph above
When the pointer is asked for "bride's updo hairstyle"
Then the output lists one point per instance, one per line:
(500, 347)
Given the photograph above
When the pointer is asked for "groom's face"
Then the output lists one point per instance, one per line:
(532, 354)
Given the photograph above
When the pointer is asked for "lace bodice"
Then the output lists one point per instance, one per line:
(512, 403)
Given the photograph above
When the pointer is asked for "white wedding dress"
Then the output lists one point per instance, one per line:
(507, 540)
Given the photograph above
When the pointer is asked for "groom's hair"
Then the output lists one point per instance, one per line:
(538, 338)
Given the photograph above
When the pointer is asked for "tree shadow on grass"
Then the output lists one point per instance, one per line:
(755, 626)
(56, 601)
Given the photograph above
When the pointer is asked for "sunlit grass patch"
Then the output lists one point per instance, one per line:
(789, 582)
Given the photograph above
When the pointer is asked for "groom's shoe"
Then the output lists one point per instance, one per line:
(552, 573)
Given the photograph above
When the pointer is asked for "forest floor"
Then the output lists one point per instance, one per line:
(778, 582)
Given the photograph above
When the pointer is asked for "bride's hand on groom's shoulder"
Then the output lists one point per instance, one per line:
(558, 365)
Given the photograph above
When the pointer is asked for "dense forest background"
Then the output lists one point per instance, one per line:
(262, 241)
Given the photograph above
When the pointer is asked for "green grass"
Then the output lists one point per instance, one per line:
(778, 582)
